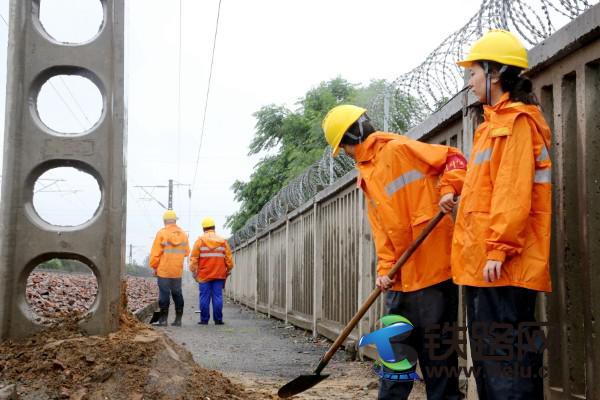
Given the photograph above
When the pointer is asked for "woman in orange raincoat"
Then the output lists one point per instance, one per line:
(501, 241)
(405, 183)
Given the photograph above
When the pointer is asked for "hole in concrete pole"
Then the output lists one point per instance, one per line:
(71, 21)
(66, 196)
(69, 104)
(60, 288)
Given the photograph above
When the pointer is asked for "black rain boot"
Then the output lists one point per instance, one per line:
(164, 315)
(178, 315)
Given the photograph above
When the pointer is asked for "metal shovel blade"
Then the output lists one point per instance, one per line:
(299, 385)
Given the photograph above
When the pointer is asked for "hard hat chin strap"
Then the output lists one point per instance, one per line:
(488, 80)
(360, 137)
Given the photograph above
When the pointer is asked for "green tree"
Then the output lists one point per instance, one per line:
(138, 270)
(294, 139)
(406, 112)
(64, 265)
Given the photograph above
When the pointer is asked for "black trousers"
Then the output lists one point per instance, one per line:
(168, 287)
(506, 343)
(431, 307)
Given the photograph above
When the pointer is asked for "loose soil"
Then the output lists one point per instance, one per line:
(134, 363)
(250, 357)
(262, 354)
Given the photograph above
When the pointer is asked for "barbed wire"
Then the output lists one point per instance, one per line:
(426, 88)
(318, 176)
(438, 78)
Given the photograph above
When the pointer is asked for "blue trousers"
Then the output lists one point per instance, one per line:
(211, 291)
(168, 287)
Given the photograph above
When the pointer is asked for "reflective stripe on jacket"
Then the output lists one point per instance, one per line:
(169, 249)
(402, 180)
(211, 258)
(505, 209)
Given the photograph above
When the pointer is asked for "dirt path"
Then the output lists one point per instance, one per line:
(263, 353)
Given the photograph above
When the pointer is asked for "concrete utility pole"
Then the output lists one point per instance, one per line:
(31, 149)
(170, 194)
(170, 186)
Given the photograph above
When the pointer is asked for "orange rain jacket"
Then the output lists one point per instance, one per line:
(211, 257)
(504, 213)
(169, 249)
(403, 180)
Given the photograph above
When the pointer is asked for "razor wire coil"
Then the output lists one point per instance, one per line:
(429, 86)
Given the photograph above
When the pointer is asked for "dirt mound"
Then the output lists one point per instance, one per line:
(134, 363)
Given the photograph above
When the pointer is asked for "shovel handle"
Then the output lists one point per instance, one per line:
(376, 292)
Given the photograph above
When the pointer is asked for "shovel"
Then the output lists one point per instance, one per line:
(305, 382)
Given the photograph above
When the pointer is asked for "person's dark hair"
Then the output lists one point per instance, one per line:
(209, 228)
(354, 130)
(519, 87)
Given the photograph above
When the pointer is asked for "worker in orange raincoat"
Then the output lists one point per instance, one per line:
(403, 180)
(211, 263)
(502, 237)
(169, 250)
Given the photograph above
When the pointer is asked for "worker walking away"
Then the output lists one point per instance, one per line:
(169, 250)
(502, 238)
(405, 183)
(211, 263)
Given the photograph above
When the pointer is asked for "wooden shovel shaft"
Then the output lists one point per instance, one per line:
(376, 292)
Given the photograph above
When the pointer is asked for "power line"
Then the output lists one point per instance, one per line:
(143, 188)
(179, 95)
(57, 92)
(144, 211)
(67, 105)
(75, 100)
(145, 214)
(52, 183)
(212, 60)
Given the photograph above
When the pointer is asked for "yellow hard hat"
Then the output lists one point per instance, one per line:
(500, 46)
(337, 121)
(208, 222)
(169, 214)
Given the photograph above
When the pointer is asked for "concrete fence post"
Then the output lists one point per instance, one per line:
(317, 270)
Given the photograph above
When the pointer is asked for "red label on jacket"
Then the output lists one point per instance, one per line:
(456, 161)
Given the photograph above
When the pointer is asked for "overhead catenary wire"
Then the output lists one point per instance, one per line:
(212, 60)
(81, 124)
(179, 92)
(58, 93)
(145, 214)
(75, 100)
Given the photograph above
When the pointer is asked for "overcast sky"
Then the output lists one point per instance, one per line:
(268, 51)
